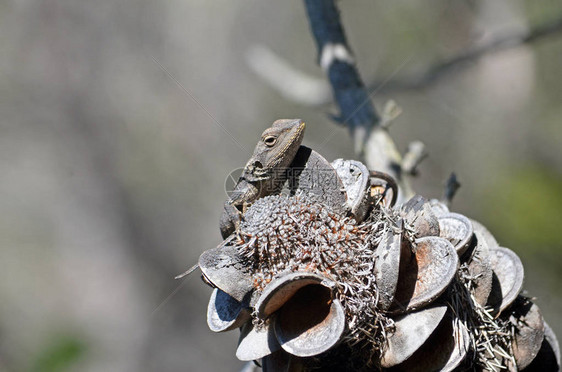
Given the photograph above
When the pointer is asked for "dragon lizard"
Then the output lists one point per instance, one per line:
(266, 171)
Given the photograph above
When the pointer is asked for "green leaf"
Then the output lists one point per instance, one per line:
(59, 356)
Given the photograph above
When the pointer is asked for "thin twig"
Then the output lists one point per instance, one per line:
(505, 41)
(423, 80)
(451, 187)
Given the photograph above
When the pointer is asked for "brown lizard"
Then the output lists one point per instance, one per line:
(266, 171)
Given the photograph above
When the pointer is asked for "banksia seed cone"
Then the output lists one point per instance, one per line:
(409, 288)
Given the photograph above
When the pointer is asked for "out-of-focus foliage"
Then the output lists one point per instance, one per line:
(525, 209)
(59, 356)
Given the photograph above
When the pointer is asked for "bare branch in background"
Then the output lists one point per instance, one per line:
(292, 84)
(352, 97)
(439, 70)
(357, 111)
(299, 87)
(451, 187)
(336, 59)
(413, 157)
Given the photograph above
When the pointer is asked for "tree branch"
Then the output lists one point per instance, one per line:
(297, 86)
(336, 59)
(293, 84)
(357, 111)
(438, 71)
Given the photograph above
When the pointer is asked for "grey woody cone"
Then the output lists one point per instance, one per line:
(358, 284)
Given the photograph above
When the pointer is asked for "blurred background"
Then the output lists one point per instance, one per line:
(121, 120)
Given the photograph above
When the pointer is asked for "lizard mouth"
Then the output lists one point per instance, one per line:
(257, 165)
(258, 170)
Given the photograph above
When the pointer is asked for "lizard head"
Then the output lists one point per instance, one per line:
(276, 148)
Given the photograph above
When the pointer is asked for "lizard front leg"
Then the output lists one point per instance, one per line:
(230, 219)
(234, 207)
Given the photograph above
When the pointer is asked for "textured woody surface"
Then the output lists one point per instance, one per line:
(479, 268)
(509, 270)
(355, 178)
(425, 274)
(411, 331)
(458, 229)
(256, 342)
(224, 313)
(387, 267)
(323, 283)
(529, 336)
(315, 177)
(225, 268)
(443, 351)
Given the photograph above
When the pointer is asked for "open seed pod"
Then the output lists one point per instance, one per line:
(281, 289)
(225, 269)
(355, 178)
(308, 320)
(418, 213)
(530, 330)
(550, 337)
(256, 342)
(315, 177)
(548, 357)
(411, 331)
(316, 285)
(479, 268)
(439, 208)
(509, 274)
(425, 274)
(387, 267)
(304, 330)
(457, 229)
(224, 313)
(491, 242)
(444, 350)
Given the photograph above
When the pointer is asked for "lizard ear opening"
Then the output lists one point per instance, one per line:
(270, 141)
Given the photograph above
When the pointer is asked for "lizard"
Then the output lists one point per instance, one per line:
(265, 172)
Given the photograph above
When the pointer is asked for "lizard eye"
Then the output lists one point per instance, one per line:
(270, 140)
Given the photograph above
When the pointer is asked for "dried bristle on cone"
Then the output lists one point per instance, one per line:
(283, 234)
(492, 337)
